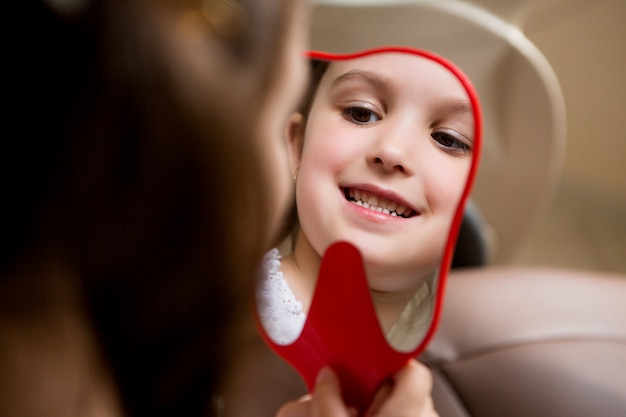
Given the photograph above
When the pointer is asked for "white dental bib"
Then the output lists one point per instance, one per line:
(283, 317)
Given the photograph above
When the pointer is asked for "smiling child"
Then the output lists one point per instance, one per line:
(380, 156)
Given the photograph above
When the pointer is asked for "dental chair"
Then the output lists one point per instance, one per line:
(522, 342)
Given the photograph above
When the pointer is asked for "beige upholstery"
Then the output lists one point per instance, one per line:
(512, 342)
(531, 343)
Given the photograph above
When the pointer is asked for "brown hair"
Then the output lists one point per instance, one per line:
(136, 172)
(318, 69)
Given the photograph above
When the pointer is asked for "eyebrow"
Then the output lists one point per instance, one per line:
(371, 78)
(457, 106)
(453, 105)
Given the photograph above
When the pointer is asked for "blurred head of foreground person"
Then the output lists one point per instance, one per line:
(135, 203)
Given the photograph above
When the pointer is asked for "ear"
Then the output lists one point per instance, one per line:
(294, 134)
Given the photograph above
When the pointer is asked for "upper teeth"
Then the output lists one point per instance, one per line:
(377, 203)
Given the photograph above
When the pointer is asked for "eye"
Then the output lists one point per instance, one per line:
(450, 143)
(360, 115)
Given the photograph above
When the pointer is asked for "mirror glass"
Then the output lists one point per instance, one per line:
(383, 151)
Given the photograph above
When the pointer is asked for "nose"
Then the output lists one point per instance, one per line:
(393, 151)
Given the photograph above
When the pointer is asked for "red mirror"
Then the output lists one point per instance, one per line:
(384, 152)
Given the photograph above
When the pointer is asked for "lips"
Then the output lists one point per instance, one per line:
(376, 202)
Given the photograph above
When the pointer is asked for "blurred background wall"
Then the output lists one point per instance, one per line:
(588, 52)
(585, 42)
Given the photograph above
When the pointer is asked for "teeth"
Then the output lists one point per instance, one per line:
(377, 203)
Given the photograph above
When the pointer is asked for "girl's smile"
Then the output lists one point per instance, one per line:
(380, 201)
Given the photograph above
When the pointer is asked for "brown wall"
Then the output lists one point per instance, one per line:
(585, 42)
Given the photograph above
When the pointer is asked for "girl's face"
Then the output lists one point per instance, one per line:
(382, 163)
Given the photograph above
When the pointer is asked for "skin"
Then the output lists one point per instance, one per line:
(378, 132)
(408, 394)
(278, 106)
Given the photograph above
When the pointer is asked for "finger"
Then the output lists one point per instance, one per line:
(298, 408)
(411, 392)
(326, 400)
(414, 378)
(379, 399)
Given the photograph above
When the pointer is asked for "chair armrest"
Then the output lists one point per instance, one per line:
(531, 342)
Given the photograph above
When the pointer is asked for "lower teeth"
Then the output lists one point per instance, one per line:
(378, 209)
(367, 205)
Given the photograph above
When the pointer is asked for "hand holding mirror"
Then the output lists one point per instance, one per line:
(383, 154)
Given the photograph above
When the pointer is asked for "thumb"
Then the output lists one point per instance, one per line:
(299, 408)
(327, 400)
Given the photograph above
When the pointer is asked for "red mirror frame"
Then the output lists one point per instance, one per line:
(346, 335)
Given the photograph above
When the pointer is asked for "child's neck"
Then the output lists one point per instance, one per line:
(389, 307)
(301, 268)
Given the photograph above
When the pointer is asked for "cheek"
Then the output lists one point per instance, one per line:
(330, 145)
(316, 194)
(446, 183)
(313, 174)
(324, 160)
(317, 148)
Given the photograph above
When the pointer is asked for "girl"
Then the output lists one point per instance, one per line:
(145, 179)
(133, 224)
(380, 156)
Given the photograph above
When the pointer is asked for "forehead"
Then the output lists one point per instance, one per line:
(397, 72)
